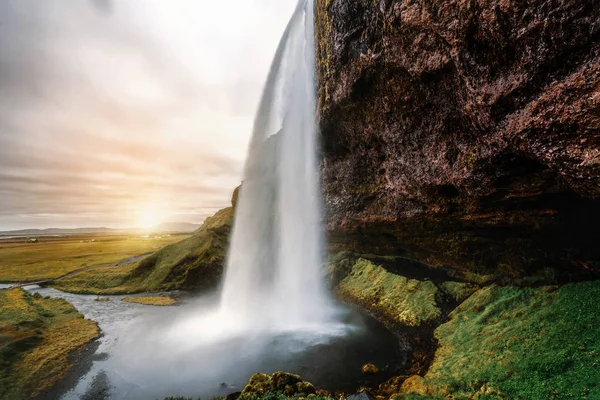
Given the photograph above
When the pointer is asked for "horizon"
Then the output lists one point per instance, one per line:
(104, 227)
(122, 114)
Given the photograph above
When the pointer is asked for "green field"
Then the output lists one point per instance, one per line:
(21, 261)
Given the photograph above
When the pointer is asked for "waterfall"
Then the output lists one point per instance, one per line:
(273, 274)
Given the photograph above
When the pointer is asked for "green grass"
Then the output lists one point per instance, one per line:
(159, 301)
(191, 264)
(37, 335)
(52, 258)
(99, 281)
(515, 343)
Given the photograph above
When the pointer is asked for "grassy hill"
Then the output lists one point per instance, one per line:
(193, 264)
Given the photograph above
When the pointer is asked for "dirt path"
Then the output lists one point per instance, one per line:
(126, 261)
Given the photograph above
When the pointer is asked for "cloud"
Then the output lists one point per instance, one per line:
(110, 106)
(103, 6)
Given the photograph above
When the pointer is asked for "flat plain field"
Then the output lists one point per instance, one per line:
(53, 257)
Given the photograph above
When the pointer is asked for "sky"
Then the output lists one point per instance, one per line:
(125, 113)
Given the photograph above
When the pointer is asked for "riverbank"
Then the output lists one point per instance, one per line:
(37, 335)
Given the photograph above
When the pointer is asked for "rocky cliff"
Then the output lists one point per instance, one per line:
(463, 134)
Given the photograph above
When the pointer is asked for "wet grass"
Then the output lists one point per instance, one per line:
(37, 334)
(21, 261)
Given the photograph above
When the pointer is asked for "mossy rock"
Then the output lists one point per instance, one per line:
(392, 298)
(280, 382)
(458, 291)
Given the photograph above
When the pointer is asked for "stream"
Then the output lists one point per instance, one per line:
(150, 352)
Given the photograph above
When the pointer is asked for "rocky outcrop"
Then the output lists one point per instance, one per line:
(463, 134)
(287, 384)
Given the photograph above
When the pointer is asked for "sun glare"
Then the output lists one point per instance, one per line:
(149, 217)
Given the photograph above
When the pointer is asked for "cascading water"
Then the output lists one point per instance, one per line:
(274, 312)
(274, 264)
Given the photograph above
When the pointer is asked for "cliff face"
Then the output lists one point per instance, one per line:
(463, 133)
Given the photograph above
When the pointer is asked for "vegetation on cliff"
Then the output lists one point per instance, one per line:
(499, 342)
(37, 335)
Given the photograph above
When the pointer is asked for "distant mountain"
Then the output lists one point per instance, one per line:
(176, 227)
(57, 231)
(167, 227)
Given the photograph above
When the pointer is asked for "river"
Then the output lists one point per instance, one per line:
(150, 352)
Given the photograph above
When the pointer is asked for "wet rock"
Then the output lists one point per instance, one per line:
(279, 382)
(364, 395)
(369, 369)
(463, 134)
(233, 396)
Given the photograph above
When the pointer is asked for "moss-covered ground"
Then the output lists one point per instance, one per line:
(192, 264)
(37, 334)
(396, 298)
(520, 343)
(160, 301)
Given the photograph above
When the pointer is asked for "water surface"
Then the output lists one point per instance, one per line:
(153, 352)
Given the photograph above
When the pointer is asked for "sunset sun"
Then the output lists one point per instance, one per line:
(149, 217)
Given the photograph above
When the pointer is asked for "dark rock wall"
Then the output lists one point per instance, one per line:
(463, 133)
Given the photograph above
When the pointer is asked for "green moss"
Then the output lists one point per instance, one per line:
(508, 342)
(458, 291)
(391, 297)
(470, 156)
(37, 334)
(158, 301)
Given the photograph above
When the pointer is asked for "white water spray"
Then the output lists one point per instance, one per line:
(274, 265)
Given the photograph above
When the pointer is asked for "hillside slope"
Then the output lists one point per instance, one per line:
(195, 263)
